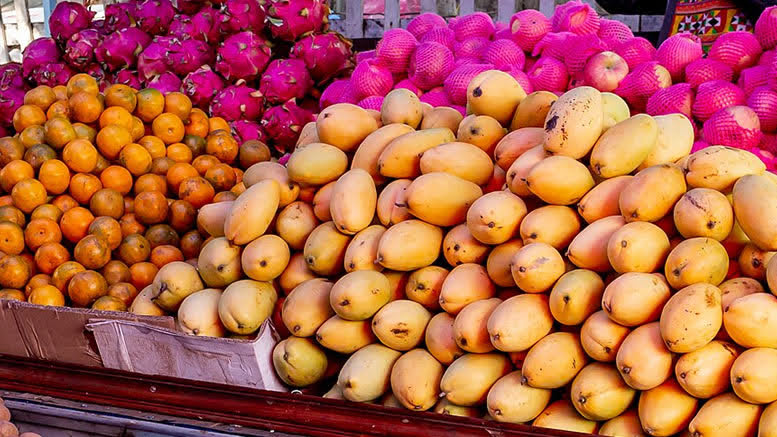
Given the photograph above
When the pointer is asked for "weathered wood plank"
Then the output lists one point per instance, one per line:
(651, 23)
(547, 7)
(4, 56)
(504, 10)
(428, 6)
(354, 19)
(391, 14)
(466, 7)
(23, 24)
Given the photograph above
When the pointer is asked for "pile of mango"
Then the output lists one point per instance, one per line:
(544, 260)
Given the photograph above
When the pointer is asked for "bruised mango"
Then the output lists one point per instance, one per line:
(574, 122)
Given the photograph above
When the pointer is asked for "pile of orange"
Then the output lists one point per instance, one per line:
(100, 190)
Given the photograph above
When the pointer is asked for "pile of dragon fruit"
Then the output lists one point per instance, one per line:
(258, 64)
(730, 93)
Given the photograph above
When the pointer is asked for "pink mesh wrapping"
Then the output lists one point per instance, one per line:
(554, 45)
(528, 27)
(499, 27)
(430, 65)
(582, 47)
(579, 18)
(474, 25)
(735, 126)
(766, 28)
(339, 91)
(575, 81)
(465, 61)
(421, 24)
(767, 57)
(504, 54)
(677, 52)
(753, 77)
(612, 32)
(456, 83)
(394, 49)
(715, 95)
(440, 35)
(436, 97)
(471, 48)
(529, 63)
(408, 85)
(363, 56)
(371, 79)
(765, 156)
(522, 79)
(635, 51)
(738, 50)
(372, 102)
(462, 110)
(548, 74)
(675, 99)
(502, 34)
(643, 82)
(763, 101)
(769, 143)
(705, 70)
(698, 145)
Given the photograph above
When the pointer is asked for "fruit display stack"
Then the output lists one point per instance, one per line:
(583, 272)
(100, 191)
(256, 64)
(730, 93)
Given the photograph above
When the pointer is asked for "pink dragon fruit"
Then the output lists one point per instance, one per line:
(365, 55)
(474, 25)
(166, 83)
(714, 95)
(554, 45)
(457, 81)
(127, 77)
(440, 35)
(677, 98)
(242, 15)
(371, 79)
(290, 19)
(52, 74)
(436, 97)
(613, 32)
(766, 28)
(98, 73)
(394, 49)
(155, 58)
(576, 17)
(522, 79)
(202, 85)
(738, 50)
(237, 102)
(118, 16)
(372, 102)
(548, 74)
(285, 79)
(581, 48)
(471, 48)
(430, 64)
(67, 19)
(339, 91)
(244, 56)
(325, 55)
(753, 77)
(190, 55)
(528, 27)
(10, 100)
(408, 85)
(635, 51)
(763, 100)
(735, 126)
(677, 52)
(245, 130)
(188, 7)
(704, 70)
(41, 51)
(153, 16)
(79, 51)
(284, 123)
(641, 83)
(505, 55)
(423, 23)
(121, 49)
(204, 26)
(11, 76)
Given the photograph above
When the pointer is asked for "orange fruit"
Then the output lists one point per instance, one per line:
(10, 213)
(59, 132)
(41, 96)
(217, 123)
(86, 287)
(124, 291)
(82, 82)
(253, 151)
(182, 215)
(198, 123)
(36, 281)
(168, 127)
(11, 238)
(83, 186)
(224, 196)
(130, 225)
(62, 275)
(178, 152)
(116, 115)
(116, 272)
(150, 103)
(49, 211)
(85, 132)
(122, 96)
(61, 92)
(32, 135)
(27, 194)
(29, 115)
(151, 182)
(179, 104)
(80, 155)
(48, 295)
(60, 108)
(151, 207)
(64, 202)
(136, 159)
(92, 252)
(178, 172)
(108, 229)
(165, 254)
(138, 129)
(13, 172)
(75, 223)
(161, 234)
(111, 139)
(134, 248)
(107, 202)
(142, 274)
(156, 147)
(221, 145)
(38, 154)
(160, 166)
(204, 162)
(190, 244)
(117, 178)
(14, 272)
(55, 176)
(197, 191)
(221, 176)
(85, 107)
(39, 232)
(11, 149)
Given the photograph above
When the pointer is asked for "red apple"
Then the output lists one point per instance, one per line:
(605, 70)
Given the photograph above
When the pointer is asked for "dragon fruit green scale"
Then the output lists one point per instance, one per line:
(244, 56)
